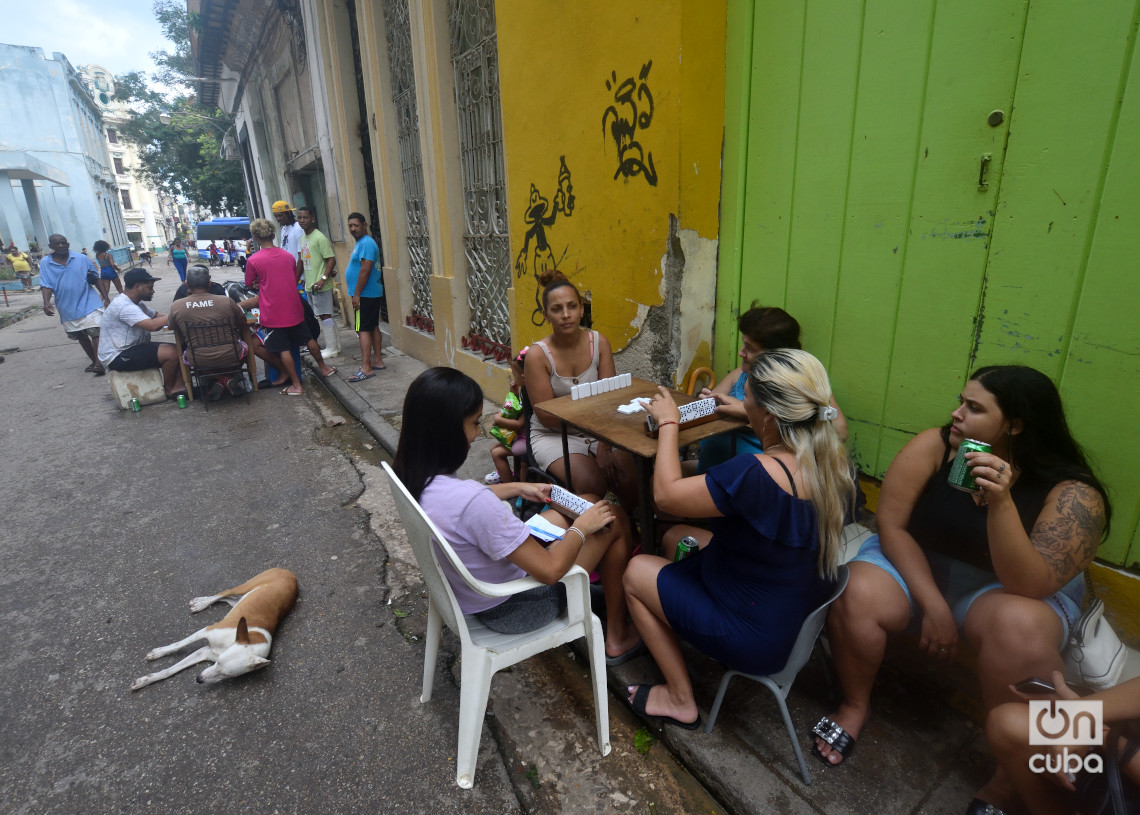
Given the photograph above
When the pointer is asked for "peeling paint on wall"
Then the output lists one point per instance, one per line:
(670, 336)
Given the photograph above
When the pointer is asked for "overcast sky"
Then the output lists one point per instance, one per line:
(117, 34)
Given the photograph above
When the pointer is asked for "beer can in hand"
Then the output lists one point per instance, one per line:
(685, 547)
(960, 477)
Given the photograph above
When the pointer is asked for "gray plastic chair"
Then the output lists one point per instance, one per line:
(780, 683)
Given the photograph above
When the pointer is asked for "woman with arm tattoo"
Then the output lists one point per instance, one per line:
(1002, 565)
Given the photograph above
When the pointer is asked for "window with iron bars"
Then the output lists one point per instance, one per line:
(474, 58)
(401, 68)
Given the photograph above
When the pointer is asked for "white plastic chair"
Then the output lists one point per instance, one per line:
(780, 683)
(484, 652)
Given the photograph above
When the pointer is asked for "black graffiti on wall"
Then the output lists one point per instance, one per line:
(631, 111)
(540, 215)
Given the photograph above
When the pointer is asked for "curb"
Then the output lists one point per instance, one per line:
(358, 406)
(10, 317)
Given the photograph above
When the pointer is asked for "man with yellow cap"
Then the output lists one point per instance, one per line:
(291, 232)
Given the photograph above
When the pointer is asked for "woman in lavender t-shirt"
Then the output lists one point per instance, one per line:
(442, 410)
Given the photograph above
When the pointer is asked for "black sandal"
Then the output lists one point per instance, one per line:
(642, 696)
(836, 737)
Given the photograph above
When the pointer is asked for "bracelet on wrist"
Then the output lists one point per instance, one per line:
(668, 421)
(580, 533)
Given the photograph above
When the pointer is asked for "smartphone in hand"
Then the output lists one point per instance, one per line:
(1035, 687)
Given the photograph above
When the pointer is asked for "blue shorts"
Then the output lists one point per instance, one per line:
(961, 584)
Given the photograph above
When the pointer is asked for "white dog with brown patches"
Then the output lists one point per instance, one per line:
(240, 642)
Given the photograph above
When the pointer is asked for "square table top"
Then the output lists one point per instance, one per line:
(598, 417)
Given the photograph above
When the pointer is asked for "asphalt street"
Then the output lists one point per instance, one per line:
(111, 522)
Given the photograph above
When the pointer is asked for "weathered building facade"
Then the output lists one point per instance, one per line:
(147, 221)
(894, 178)
(56, 173)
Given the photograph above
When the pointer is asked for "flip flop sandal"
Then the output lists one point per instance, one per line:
(332, 370)
(621, 659)
(638, 704)
(98, 371)
(90, 369)
(839, 739)
(360, 376)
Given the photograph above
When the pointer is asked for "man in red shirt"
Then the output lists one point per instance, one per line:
(274, 272)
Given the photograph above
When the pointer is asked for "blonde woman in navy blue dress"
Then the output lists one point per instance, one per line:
(772, 554)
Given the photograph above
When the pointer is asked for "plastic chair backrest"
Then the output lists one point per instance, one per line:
(213, 334)
(697, 376)
(532, 463)
(427, 543)
(809, 633)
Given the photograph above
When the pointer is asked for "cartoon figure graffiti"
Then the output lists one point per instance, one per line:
(541, 258)
(624, 119)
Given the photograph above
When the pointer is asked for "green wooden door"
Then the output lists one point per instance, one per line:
(864, 216)
(855, 137)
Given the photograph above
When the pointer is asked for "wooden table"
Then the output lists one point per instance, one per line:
(598, 417)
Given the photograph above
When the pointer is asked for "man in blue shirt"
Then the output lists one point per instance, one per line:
(362, 277)
(63, 274)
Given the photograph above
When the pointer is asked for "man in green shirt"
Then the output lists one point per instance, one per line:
(316, 263)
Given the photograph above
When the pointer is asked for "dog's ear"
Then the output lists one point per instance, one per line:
(257, 662)
(242, 632)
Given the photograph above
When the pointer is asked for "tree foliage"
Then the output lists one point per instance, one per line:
(182, 157)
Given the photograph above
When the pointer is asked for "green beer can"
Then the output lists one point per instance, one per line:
(136, 405)
(181, 400)
(685, 547)
(960, 477)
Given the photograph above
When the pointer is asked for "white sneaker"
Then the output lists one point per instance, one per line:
(492, 478)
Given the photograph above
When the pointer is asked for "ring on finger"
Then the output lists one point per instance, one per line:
(1001, 469)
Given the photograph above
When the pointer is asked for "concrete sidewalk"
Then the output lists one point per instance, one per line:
(922, 752)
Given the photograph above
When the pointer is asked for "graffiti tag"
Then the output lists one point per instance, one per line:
(631, 111)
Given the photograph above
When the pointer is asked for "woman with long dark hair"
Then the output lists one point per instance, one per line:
(1003, 565)
(442, 410)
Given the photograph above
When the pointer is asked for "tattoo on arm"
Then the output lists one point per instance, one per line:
(1069, 541)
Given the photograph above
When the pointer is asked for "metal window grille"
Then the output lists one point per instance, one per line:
(400, 65)
(474, 56)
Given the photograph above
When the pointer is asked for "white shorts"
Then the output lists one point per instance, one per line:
(88, 325)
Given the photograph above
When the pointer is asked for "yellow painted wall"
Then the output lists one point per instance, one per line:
(555, 59)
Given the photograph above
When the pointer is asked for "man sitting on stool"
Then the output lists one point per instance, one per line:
(124, 334)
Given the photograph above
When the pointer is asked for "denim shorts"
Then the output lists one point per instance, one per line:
(961, 584)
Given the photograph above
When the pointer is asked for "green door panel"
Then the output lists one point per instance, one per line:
(1100, 382)
(771, 151)
(972, 69)
(1061, 290)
